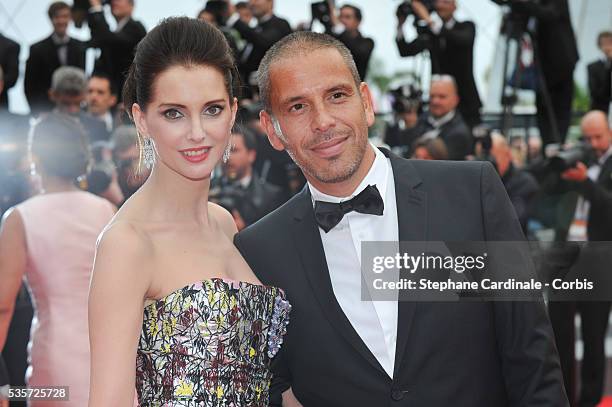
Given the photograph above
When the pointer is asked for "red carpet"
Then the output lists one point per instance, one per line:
(606, 402)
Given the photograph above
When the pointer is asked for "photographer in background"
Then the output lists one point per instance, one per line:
(240, 190)
(521, 186)
(58, 49)
(556, 54)
(600, 74)
(117, 46)
(443, 120)
(345, 27)
(591, 222)
(406, 104)
(451, 48)
(269, 29)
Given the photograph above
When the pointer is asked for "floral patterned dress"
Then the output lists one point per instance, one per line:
(210, 344)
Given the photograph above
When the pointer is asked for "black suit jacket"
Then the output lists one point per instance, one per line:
(452, 53)
(557, 52)
(41, 64)
(260, 39)
(117, 47)
(599, 195)
(9, 60)
(600, 84)
(455, 133)
(361, 48)
(465, 354)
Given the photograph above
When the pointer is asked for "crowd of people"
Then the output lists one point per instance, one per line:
(93, 143)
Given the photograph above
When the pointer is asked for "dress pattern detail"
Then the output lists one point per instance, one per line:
(210, 344)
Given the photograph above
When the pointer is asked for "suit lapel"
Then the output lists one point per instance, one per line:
(412, 224)
(312, 256)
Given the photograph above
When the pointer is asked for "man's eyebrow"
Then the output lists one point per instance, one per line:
(335, 88)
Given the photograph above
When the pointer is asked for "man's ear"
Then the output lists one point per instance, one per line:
(51, 95)
(266, 122)
(113, 100)
(139, 120)
(368, 104)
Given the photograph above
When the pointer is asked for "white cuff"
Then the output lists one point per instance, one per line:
(96, 9)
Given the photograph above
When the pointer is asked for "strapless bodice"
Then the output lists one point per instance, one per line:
(210, 344)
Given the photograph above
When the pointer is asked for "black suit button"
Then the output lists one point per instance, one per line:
(397, 395)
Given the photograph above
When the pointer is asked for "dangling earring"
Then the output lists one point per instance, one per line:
(227, 152)
(148, 152)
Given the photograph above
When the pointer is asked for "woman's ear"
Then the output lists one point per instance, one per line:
(234, 110)
(139, 119)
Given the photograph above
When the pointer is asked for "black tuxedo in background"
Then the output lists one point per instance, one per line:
(361, 48)
(41, 64)
(600, 84)
(476, 354)
(455, 134)
(9, 61)
(556, 54)
(593, 314)
(452, 53)
(117, 47)
(259, 40)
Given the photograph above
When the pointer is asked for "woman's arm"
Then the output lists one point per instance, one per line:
(119, 284)
(12, 267)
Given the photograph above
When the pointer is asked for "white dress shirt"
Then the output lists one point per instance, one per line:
(374, 321)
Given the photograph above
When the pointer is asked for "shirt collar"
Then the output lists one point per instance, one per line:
(57, 40)
(377, 175)
(441, 121)
(604, 157)
(121, 23)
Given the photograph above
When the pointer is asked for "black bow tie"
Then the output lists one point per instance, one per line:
(329, 214)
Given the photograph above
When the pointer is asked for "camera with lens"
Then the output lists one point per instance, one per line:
(406, 98)
(483, 142)
(321, 11)
(567, 157)
(405, 9)
(228, 194)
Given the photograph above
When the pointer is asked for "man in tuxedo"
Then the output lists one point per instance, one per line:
(58, 49)
(341, 351)
(345, 27)
(556, 55)
(443, 119)
(9, 62)
(592, 222)
(600, 75)
(260, 38)
(117, 46)
(451, 48)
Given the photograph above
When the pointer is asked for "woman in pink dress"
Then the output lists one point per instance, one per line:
(50, 238)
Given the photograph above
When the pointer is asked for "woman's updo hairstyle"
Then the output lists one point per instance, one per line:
(180, 41)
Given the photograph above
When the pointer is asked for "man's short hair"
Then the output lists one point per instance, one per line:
(435, 147)
(250, 141)
(104, 75)
(55, 7)
(445, 78)
(295, 44)
(69, 80)
(602, 36)
(355, 9)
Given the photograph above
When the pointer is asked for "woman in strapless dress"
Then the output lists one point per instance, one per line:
(175, 312)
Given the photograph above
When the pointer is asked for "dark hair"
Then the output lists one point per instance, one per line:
(299, 43)
(250, 142)
(60, 144)
(602, 35)
(104, 75)
(241, 4)
(177, 41)
(436, 147)
(355, 9)
(55, 7)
